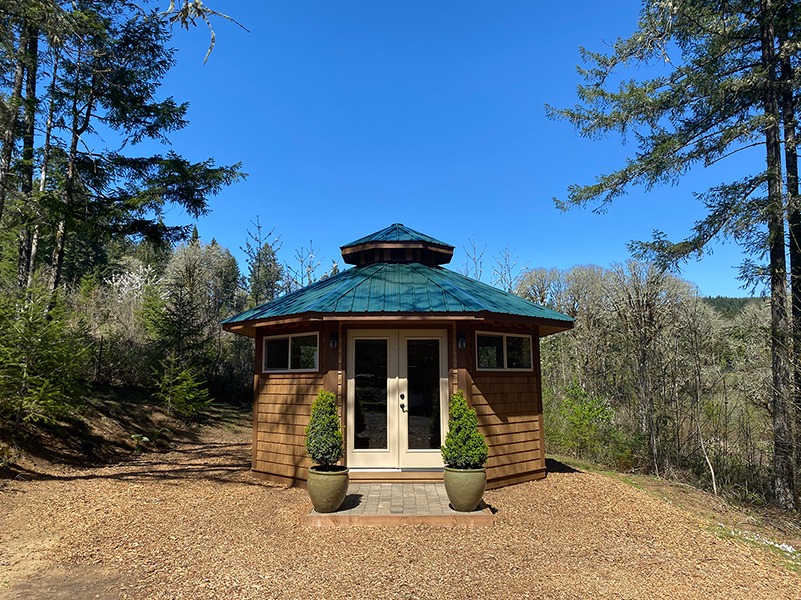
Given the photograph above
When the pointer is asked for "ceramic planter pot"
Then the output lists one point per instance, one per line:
(327, 487)
(465, 487)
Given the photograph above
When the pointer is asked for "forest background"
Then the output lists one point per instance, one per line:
(98, 289)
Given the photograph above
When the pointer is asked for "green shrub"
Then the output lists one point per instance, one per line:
(583, 426)
(43, 356)
(179, 390)
(465, 447)
(324, 431)
(588, 422)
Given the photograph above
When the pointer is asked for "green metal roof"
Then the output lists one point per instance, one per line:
(397, 233)
(398, 288)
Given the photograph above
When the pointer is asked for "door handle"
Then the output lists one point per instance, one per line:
(403, 407)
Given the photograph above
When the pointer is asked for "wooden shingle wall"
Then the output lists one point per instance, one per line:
(510, 416)
(282, 412)
(282, 408)
(509, 408)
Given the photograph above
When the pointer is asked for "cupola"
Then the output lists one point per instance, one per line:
(397, 244)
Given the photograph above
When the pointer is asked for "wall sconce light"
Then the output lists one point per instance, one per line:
(461, 341)
(333, 340)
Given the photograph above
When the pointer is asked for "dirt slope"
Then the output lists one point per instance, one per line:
(192, 523)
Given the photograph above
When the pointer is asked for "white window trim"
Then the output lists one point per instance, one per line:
(505, 353)
(289, 368)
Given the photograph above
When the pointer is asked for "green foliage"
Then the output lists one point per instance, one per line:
(583, 427)
(140, 440)
(179, 390)
(729, 308)
(111, 58)
(265, 274)
(726, 83)
(587, 419)
(672, 370)
(464, 447)
(43, 357)
(182, 312)
(93, 218)
(324, 441)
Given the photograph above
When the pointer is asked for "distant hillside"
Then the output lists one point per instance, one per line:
(729, 307)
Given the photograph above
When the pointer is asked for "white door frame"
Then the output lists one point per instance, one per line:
(397, 455)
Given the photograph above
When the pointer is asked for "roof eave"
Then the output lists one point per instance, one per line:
(443, 252)
(546, 326)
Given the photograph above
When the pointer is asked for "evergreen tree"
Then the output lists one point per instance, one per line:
(717, 92)
(199, 289)
(180, 391)
(101, 62)
(43, 356)
(79, 204)
(265, 273)
(465, 446)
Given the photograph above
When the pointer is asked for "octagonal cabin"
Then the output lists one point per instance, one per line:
(393, 336)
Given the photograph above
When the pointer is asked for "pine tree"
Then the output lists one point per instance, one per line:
(75, 68)
(716, 92)
(265, 273)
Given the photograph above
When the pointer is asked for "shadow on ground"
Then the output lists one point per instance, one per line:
(554, 466)
(218, 462)
(120, 434)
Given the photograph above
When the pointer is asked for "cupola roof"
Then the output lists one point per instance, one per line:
(395, 244)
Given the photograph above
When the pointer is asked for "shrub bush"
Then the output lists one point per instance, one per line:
(43, 357)
(585, 427)
(465, 447)
(588, 420)
(324, 431)
(179, 390)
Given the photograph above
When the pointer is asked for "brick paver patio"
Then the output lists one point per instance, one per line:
(389, 504)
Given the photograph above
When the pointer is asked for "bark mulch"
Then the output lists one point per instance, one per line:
(193, 523)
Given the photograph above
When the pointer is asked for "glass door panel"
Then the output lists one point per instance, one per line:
(370, 395)
(372, 405)
(423, 385)
(423, 389)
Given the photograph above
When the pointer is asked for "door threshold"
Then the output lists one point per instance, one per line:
(396, 475)
(396, 469)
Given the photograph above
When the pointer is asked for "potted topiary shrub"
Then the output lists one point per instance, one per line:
(464, 454)
(327, 482)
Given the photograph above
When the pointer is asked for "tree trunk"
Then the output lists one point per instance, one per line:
(698, 377)
(9, 125)
(28, 132)
(780, 339)
(80, 124)
(43, 171)
(794, 223)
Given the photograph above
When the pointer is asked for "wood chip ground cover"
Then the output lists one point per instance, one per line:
(193, 523)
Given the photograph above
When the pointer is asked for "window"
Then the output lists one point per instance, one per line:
(490, 352)
(291, 352)
(503, 351)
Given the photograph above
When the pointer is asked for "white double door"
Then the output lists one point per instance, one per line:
(397, 394)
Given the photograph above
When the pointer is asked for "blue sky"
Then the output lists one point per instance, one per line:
(352, 115)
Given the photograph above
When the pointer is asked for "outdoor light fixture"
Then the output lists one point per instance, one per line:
(461, 341)
(333, 340)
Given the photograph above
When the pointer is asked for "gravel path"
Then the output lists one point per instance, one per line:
(192, 523)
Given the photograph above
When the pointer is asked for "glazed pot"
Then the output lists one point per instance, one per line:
(465, 487)
(327, 487)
